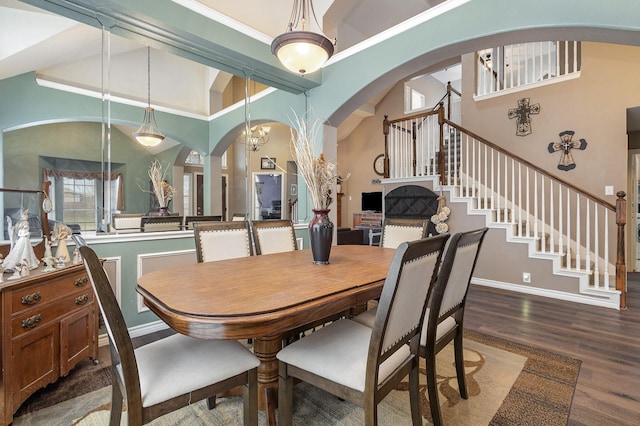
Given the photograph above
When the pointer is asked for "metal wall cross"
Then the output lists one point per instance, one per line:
(566, 144)
(523, 115)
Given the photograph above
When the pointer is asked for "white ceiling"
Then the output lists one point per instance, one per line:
(68, 52)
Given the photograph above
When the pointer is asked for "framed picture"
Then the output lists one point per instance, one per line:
(267, 163)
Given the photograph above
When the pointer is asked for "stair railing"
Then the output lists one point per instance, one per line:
(565, 220)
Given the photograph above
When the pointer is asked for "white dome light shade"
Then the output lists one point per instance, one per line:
(302, 52)
(148, 134)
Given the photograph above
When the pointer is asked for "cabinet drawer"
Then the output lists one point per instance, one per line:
(36, 316)
(43, 292)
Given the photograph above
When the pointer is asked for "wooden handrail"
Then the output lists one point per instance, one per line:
(592, 197)
(619, 208)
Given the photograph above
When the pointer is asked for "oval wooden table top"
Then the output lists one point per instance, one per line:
(264, 295)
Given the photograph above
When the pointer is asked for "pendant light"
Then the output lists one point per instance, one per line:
(301, 50)
(148, 134)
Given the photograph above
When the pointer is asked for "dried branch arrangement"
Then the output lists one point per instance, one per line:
(319, 174)
(161, 188)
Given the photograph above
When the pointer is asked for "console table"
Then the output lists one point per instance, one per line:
(368, 219)
(49, 323)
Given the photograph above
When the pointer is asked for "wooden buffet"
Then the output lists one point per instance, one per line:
(49, 324)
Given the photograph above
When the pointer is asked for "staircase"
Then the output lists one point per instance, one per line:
(580, 235)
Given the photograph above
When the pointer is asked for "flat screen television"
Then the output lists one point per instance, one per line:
(371, 202)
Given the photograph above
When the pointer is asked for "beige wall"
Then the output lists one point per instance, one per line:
(593, 105)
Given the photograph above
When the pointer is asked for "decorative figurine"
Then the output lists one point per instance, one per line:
(24, 269)
(10, 231)
(22, 250)
(77, 258)
(16, 273)
(1, 269)
(47, 248)
(61, 260)
(50, 262)
(61, 232)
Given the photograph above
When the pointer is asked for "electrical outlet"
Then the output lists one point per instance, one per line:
(526, 277)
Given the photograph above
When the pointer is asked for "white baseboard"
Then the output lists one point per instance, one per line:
(553, 294)
(137, 331)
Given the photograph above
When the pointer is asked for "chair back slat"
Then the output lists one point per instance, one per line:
(222, 240)
(273, 236)
(461, 259)
(404, 295)
(396, 231)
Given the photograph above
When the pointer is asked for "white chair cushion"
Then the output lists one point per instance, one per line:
(394, 235)
(368, 317)
(224, 244)
(443, 328)
(276, 240)
(177, 364)
(339, 352)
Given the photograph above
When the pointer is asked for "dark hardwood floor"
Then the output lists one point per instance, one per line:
(607, 342)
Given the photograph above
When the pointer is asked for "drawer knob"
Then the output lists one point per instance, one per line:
(81, 300)
(31, 299)
(31, 321)
(81, 281)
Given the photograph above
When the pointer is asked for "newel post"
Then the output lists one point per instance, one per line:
(441, 153)
(385, 130)
(621, 267)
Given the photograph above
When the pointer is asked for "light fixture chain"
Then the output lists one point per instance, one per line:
(149, 76)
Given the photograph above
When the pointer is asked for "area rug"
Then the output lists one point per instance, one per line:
(508, 384)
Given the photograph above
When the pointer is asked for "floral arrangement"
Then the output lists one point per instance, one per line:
(319, 174)
(161, 188)
(441, 216)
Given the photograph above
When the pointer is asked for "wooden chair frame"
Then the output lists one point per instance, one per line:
(380, 349)
(122, 354)
(454, 272)
(190, 220)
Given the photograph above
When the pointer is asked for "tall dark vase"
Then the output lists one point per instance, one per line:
(321, 236)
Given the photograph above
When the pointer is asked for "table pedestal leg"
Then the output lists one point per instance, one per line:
(266, 348)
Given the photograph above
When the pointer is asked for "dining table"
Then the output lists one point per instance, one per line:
(265, 298)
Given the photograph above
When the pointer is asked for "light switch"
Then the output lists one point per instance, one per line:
(608, 190)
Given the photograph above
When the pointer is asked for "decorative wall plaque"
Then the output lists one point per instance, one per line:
(566, 145)
(522, 114)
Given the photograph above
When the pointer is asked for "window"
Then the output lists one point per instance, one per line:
(186, 191)
(77, 194)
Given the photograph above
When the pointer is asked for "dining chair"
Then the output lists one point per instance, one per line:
(161, 223)
(397, 230)
(222, 240)
(445, 312)
(190, 220)
(362, 364)
(273, 236)
(126, 222)
(170, 373)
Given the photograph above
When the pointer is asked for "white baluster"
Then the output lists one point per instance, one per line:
(578, 232)
(568, 233)
(606, 249)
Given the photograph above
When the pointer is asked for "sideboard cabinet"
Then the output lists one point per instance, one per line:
(49, 324)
